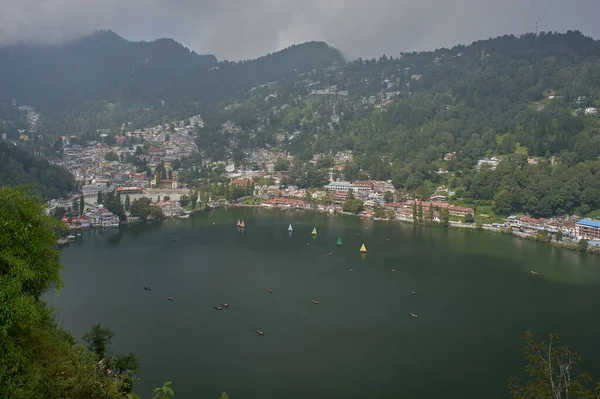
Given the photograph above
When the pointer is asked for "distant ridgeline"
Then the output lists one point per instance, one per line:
(18, 167)
(75, 85)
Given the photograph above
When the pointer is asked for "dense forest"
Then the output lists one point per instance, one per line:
(18, 167)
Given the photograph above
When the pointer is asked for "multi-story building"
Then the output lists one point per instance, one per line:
(340, 186)
(587, 229)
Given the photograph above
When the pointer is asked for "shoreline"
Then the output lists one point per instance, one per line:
(455, 225)
(452, 224)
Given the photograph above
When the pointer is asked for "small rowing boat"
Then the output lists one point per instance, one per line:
(315, 302)
(414, 315)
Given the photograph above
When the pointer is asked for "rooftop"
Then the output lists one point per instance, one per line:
(589, 223)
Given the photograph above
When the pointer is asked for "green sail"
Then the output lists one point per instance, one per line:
(339, 241)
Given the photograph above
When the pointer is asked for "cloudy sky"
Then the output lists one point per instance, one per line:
(240, 29)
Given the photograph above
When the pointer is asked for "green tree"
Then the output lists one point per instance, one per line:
(111, 156)
(582, 245)
(420, 211)
(379, 213)
(81, 205)
(184, 200)
(38, 358)
(127, 202)
(164, 392)
(559, 235)
(194, 199)
(351, 171)
(98, 340)
(444, 217)
(430, 213)
(469, 218)
(551, 371)
(353, 206)
(75, 206)
(99, 199)
(388, 197)
(282, 165)
(414, 212)
(542, 236)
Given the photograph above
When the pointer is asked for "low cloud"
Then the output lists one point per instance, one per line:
(241, 29)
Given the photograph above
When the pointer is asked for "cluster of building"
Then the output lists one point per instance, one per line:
(95, 216)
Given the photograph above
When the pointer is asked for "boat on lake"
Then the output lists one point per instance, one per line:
(315, 302)
(71, 238)
(339, 242)
(147, 288)
(414, 315)
(259, 331)
(238, 223)
(62, 241)
(270, 291)
(217, 308)
(413, 292)
(363, 249)
(290, 228)
(393, 270)
(225, 305)
(314, 232)
(534, 273)
(170, 298)
(242, 225)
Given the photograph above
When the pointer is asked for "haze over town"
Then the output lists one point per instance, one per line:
(247, 29)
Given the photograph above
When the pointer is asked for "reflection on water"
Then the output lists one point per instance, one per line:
(475, 299)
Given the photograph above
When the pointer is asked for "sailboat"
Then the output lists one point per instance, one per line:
(339, 242)
(363, 249)
(242, 225)
(290, 228)
(238, 223)
(314, 232)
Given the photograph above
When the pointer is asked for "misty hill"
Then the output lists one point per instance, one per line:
(106, 67)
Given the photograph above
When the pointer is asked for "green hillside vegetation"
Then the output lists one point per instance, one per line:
(102, 80)
(39, 359)
(18, 167)
(479, 101)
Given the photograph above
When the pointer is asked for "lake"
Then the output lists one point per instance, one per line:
(475, 299)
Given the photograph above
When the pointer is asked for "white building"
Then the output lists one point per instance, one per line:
(340, 186)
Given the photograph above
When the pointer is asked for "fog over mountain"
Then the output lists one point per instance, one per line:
(241, 29)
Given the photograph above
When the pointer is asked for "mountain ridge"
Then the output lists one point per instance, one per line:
(104, 66)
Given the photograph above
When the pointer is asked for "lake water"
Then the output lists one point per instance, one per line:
(475, 299)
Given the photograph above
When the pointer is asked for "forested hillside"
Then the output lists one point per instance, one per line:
(101, 81)
(529, 101)
(18, 167)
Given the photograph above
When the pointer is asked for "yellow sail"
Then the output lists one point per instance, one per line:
(363, 248)
(314, 232)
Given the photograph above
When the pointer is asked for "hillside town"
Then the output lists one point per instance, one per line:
(147, 164)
